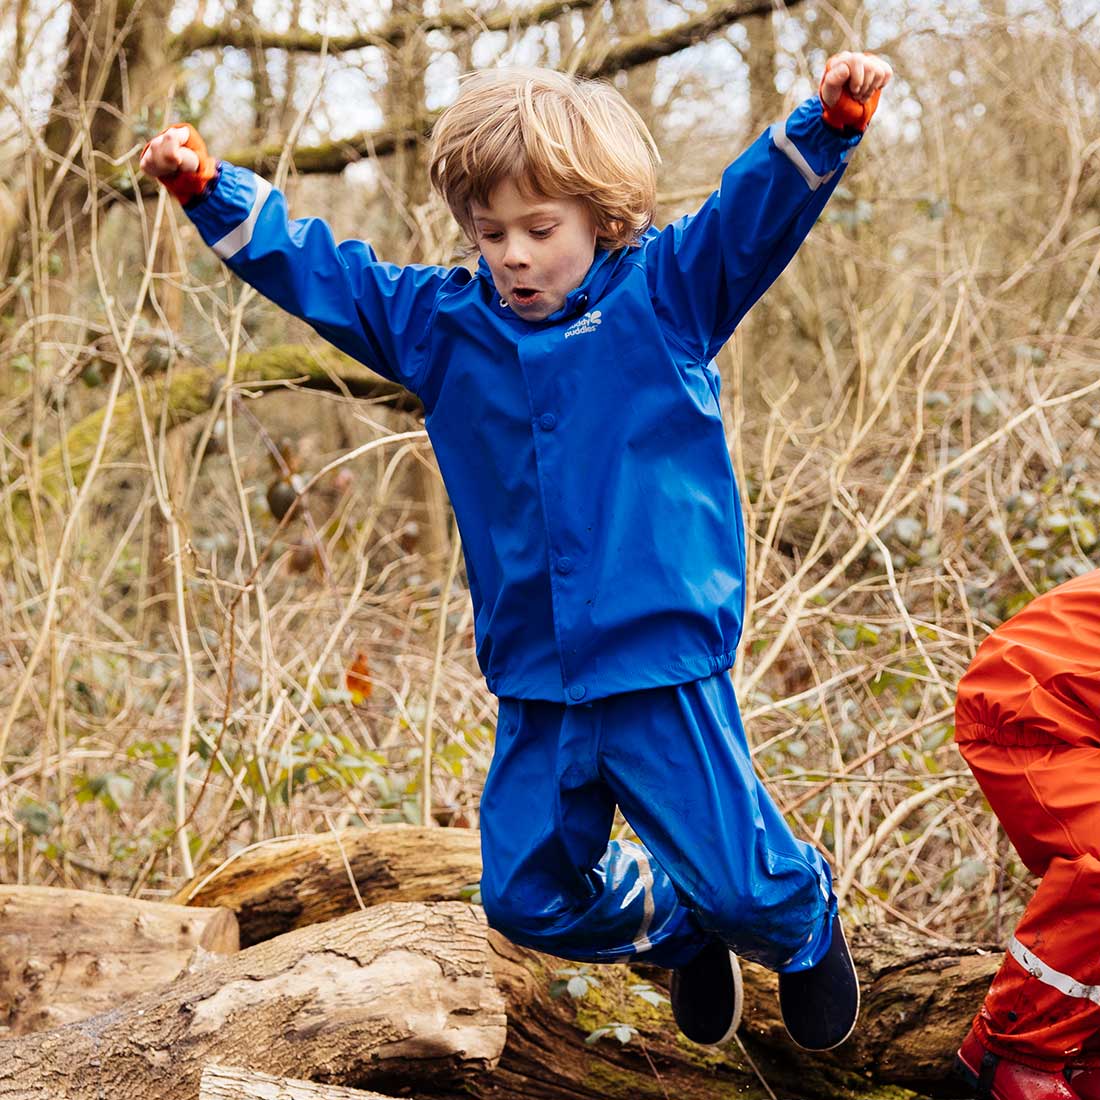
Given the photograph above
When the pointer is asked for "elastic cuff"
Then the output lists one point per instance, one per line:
(817, 946)
(1012, 1053)
(200, 197)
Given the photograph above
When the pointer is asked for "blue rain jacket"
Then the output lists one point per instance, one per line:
(585, 455)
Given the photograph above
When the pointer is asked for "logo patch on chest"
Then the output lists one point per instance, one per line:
(588, 323)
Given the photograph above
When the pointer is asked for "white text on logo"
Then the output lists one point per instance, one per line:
(588, 323)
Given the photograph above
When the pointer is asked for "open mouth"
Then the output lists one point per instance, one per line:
(524, 295)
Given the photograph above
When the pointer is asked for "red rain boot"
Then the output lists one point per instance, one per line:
(1086, 1082)
(996, 1078)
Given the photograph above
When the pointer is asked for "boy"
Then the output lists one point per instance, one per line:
(1028, 725)
(572, 403)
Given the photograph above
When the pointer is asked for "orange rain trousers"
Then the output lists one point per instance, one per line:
(1028, 725)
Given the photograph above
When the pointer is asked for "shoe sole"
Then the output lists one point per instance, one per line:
(966, 1073)
(738, 1005)
(738, 1001)
(855, 1016)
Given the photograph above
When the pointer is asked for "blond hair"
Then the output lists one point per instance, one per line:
(554, 136)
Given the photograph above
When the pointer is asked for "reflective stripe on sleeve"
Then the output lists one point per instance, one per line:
(643, 885)
(790, 150)
(239, 238)
(1049, 976)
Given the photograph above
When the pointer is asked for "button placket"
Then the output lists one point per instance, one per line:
(531, 355)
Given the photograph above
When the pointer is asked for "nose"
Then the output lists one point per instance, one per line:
(516, 254)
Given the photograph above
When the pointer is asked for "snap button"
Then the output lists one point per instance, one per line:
(577, 692)
(548, 422)
(564, 565)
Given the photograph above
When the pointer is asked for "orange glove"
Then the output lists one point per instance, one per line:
(184, 186)
(848, 113)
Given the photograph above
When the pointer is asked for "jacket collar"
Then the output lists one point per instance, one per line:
(603, 268)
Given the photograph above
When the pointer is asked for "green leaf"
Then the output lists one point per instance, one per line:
(1085, 530)
(577, 987)
(38, 818)
(649, 995)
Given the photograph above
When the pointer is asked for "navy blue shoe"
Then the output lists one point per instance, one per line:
(707, 995)
(820, 1006)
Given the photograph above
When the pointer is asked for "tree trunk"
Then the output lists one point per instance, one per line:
(290, 884)
(765, 102)
(231, 1083)
(404, 98)
(68, 954)
(115, 66)
(402, 993)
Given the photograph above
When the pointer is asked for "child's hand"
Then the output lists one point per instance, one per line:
(850, 89)
(168, 154)
(178, 158)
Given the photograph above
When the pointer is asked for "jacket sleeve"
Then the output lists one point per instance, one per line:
(379, 313)
(1036, 679)
(707, 269)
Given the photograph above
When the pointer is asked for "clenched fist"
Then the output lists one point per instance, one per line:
(850, 88)
(178, 158)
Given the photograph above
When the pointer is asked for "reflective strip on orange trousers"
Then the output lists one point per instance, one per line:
(1028, 725)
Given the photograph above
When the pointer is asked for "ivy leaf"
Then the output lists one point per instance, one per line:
(577, 987)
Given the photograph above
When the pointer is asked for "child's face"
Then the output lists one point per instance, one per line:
(538, 249)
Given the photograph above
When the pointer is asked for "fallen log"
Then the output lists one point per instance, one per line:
(917, 1000)
(233, 1083)
(409, 995)
(402, 993)
(68, 954)
(293, 883)
(917, 1005)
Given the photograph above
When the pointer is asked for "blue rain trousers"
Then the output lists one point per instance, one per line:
(716, 857)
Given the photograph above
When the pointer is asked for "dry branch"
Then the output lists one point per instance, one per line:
(293, 883)
(68, 954)
(198, 36)
(625, 54)
(641, 48)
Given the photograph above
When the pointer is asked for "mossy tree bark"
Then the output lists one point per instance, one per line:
(189, 393)
(115, 64)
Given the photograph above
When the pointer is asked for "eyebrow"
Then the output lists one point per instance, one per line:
(532, 215)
